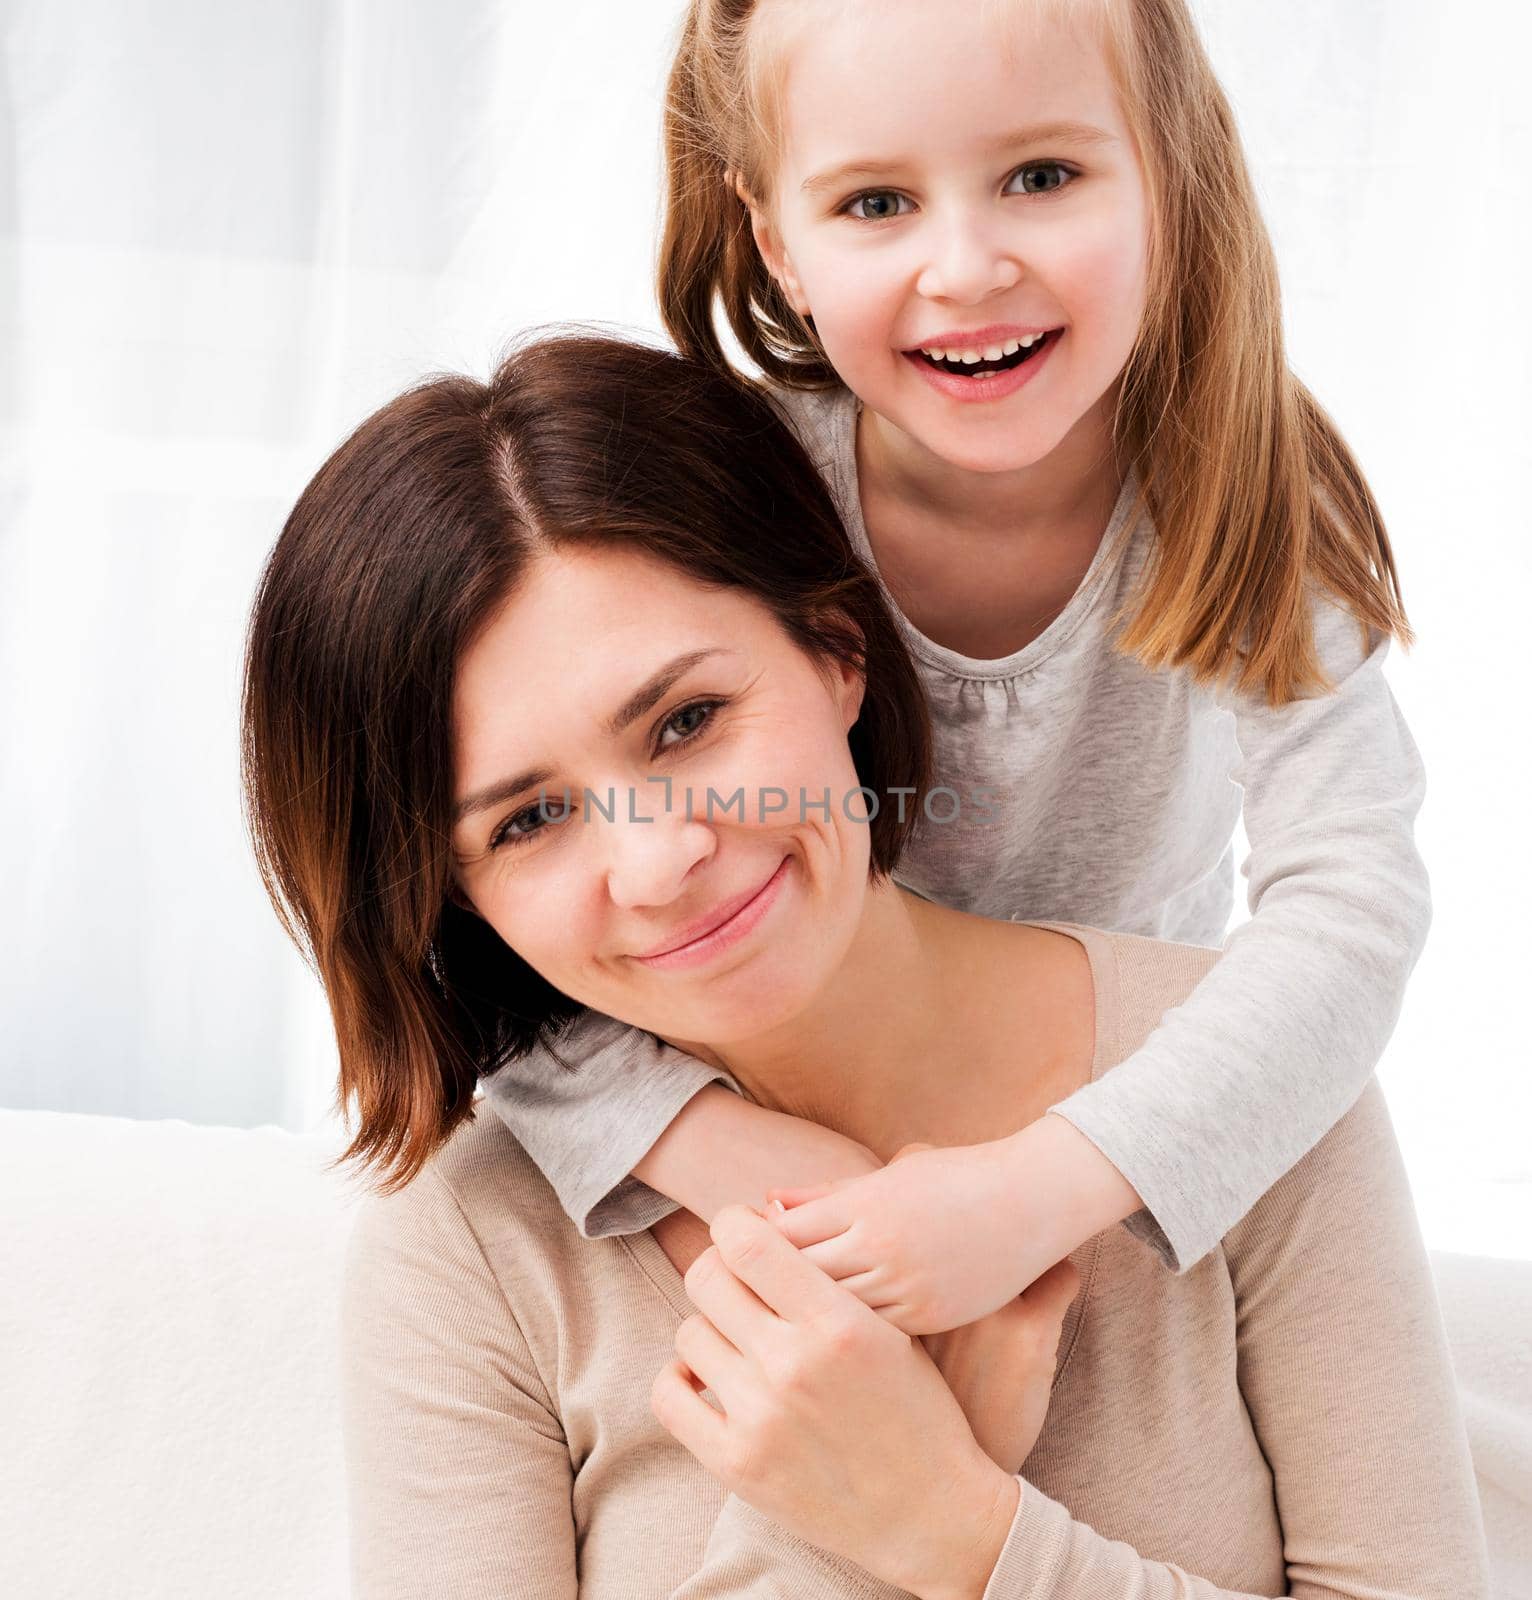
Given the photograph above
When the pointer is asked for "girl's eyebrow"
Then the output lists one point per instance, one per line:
(648, 695)
(1076, 133)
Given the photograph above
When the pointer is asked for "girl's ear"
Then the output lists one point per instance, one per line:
(778, 263)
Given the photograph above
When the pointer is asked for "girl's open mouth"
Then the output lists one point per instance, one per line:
(989, 373)
(1013, 353)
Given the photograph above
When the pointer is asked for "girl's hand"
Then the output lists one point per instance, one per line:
(834, 1424)
(932, 1241)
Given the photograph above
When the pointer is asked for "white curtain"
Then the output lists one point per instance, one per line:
(228, 231)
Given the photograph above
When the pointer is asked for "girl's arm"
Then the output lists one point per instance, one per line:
(1343, 1365)
(1277, 1041)
(725, 1150)
(638, 1128)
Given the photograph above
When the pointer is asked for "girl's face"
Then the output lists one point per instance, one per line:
(614, 673)
(958, 178)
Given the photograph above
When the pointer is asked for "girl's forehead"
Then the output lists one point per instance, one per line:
(781, 30)
(911, 75)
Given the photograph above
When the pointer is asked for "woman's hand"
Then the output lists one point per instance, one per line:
(834, 1424)
(1000, 1369)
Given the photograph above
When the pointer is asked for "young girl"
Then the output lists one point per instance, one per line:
(1002, 269)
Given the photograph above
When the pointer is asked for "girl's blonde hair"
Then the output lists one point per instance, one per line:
(1255, 496)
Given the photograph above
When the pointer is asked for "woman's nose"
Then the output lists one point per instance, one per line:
(650, 850)
(968, 262)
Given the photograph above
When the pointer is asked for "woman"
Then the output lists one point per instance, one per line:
(548, 676)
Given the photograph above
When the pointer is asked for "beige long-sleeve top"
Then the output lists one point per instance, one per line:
(1281, 1418)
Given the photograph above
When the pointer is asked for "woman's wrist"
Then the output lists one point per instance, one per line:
(967, 1543)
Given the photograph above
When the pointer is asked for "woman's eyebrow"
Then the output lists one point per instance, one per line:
(656, 687)
(647, 695)
(1077, 133)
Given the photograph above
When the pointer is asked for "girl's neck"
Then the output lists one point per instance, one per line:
(983, 562)
(936, 1025)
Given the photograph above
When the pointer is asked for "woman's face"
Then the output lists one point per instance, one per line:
(956, 178)
(623, 691)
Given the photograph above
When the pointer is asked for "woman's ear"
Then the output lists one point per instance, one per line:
(848, 683)
(459, 899)
(853, 689)
(778, 263)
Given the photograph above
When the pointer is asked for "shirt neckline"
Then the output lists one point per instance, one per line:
(660, 1270)
(842, 462)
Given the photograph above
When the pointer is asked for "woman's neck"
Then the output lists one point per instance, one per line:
(937, 1025)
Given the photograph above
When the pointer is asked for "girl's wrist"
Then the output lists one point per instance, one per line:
(1064, 1185)
(721, 1149)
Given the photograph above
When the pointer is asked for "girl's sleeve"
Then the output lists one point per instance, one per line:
(1274, 1045)
(458, 1473)
(588, 1115)
(1344, 1368)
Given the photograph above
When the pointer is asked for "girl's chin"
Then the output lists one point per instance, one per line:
(997, 441)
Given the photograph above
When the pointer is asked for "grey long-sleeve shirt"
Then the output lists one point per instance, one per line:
(1111, 794)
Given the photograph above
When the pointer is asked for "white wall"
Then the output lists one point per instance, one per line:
(227, 232)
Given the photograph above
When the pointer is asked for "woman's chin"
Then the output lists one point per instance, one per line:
(731, 1008)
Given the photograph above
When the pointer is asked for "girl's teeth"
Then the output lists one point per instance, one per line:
(993, 352)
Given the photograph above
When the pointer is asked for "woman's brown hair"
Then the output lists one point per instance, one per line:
(1256, 499)
(404, 544)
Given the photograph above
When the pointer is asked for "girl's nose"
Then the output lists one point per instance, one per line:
(967, 264)
(650, 851)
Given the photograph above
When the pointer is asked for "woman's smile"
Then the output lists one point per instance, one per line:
(725, 933)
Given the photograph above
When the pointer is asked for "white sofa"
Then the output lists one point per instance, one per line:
(168, 1414)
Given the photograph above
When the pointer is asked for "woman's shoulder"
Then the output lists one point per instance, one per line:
(1138, 980)
(481, 1190)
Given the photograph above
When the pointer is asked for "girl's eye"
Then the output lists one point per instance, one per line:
(1040, 177)
(880, 203)
(525, 824)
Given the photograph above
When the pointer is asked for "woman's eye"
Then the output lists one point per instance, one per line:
(1040, 177)
(688, 721)
(520, 826)
(528, 822)
(880, 203)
